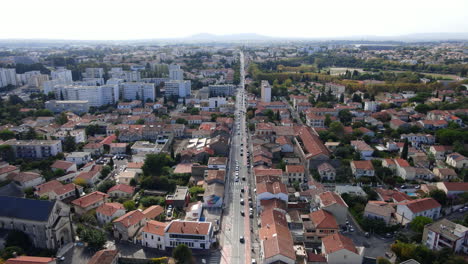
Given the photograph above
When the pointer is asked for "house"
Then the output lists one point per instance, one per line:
(79, 158)
(194, 211)
(445, 234)
(276, 241)
(213, 195)
(89, 202)
(404, 169)
(107, 212)
(66, 166)
(30, 260)
(427, 207)
(310, 146)
(397, 123)
(362, 168)
(350, 189)
(334, 204)
(285, 143)
(339, 249)
(440, 151)
(365, 150)
(121, 191)
(392, 196)
(126, 177)
(196, 235)
(153, 235)
(105, 256)
(452, 188)
(445, 174)
(457, 160)
(46, 223)
(6, 169)
(379, 210)
(271, 190)
(26, 179)
(55, 190)
(153, 212)
(215, 176)
(326, 171)
(319, 224)
(128, 226)
(118, 148)
(215, 163)
(294, 173)
(90, 177)
(94, 148)
(180, 198)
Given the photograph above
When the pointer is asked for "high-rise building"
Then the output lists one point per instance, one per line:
(175, 73)
(222, 89)
(265, 91)
(7, 77)
(128, 76)
(93, 73)
(95, 95)
(62, 74)
(138, 91)
(178, 88)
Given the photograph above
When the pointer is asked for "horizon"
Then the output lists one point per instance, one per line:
(147, 20)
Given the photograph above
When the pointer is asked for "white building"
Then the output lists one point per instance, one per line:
(196, 235)
(215, 102)
(445, 234)
(138, 91)
(372, 106)
(178, 88)
(79, 157)
(339, 249)
(221, 89)
(427, 207)
(7, 77)
(62, 74)
(77, 107)
(93, 73)
(265, 91)
(175, 73)
(153, 234)
(128, 76)
(35, 149)
(95, 95)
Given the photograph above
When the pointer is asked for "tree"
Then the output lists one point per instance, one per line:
(422, 108)
(81, 182)
(94, 237)
(155, 163)
(140, 121)
(404, 152)
(152, 200)
(105, 171)
(69, 143)
(182, 254)
(327, 121)
(105, 185)
(61, 119)
(439, 196)
(195, 190)
(382, 260)
(418, 223)
(129, 205)
(345, 116)
(6, 134)
(337, 128)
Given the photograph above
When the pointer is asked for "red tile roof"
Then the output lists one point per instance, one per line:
(402, 163)
(313, 146)
(323, 220)
(271, 187)
(188, 227)
(336, 242)
(153, 211)
(90, 199)
(295, 168)
(29, 260)
(105, 256)
(276, 237)
(23, 176)
(421, 205)
(109, 209)
(329, 198)
(123, 188)
(62, 164)
(155, 227)
(8, 169)
(130, 218)
(456, 186)
(363, 164)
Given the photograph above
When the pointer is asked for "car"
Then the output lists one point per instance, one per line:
(242, 190)
(237, 173)
(388, 235)
(243, 178)
(241, 239)
(242, 213)
(242, 201)
(61, 258)
(251, 215)
(254, 261)
(351, 229)
(461, 210)
(237, 179)
(367, 234)
(242, 154)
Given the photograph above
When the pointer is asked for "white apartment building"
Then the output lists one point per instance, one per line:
(221, 90)
(178, 88)
(372, 106)
(95, 95)
(175, 73)
(138, 91)
(196, 235)
(77, 107)
(62, 74)
(128, 76)
(265, 91)
(93, 73)
(445, 234)
(35, 149)
(7, 77)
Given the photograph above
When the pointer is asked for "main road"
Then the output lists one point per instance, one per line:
(235, 224)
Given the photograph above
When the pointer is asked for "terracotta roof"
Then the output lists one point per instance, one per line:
(456, 186)
(325, 167)
(109, 209)
(29, 260)
(105, 256)
(217, 161)
(363, 164)
(67, 188)
(389, 195)
(402, 163)
(8, 169)
(273, 204)
(90, 199)
(135, 165)
(271, 187)
(153, 211)
(272, 216)
(268, 172)
(420, 205)
(189, 227)
(323, 219)
(23, 176)
(312, 144)
(48, 187)
(276, 237)
(155, 227)
(295, 168)
(123, 188)
(336, 242)
(130, 218)
(212, 175)
(329, 198)
(62, 164)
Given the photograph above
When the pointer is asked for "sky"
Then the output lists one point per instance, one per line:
(151, 19)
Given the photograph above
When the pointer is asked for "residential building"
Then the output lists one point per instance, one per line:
(153, 234)
(128, 226)
(105, 256)
(138, 91)
(271, 190)
(326, 171)
(379, 210)
(7, 77)
(77, 107)
(64, 75)
(79, 158)
(6, 169)
(363, 148)
(178, 88)
(351, 190)
(319, 224)
(35, 149)
(294, 173)
(196, 235)
(175, 73)
(453, 189)
(30, 260)
(224, 90)
(55, 190)
(26, 179)
(217, 163)
(339, 249)
(107, 212)
(93, 73)
(180, 198)
(89, 202)
(334, 204)
(427, 207)
(121, 191)
(265, 90)
(445, 234)
(457, 160)
(47, 223)
(362, 168)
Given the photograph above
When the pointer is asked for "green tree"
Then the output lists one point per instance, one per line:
(439, 196)
(6, 134)
(327, 121)
(404, 152)
(61, 119)
(105, 185)
(382, 260)
(69, 143)
(422, 108)
(94, 237)
(345, 116)
(129, 205)
(152, 200)
(195, 190)
(418, 223)
(182, 254)
(155, 163)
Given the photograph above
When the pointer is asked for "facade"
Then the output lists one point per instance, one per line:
(294, 173)
(47, 223)
(175, 73)
(225, 90)
(265, 91)
(128, 225)
(339, 249)
(362, 168)
(95, 95)
(77, 107)
(196, 235)
(457, 160)
(7, 77)
(105, 256)
(79, 158)
(326, 171)
(153, 234)
(334, 204)
(138, 91)
(319, 224)
(379, 210)
(427, 207)
(93, 73)
(445, 234)
(35, 149)
(89, 202)
(63, 75)
(107, 212)
(181, 88)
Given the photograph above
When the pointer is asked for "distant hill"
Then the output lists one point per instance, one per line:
(231, 37)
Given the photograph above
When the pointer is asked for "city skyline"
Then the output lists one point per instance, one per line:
(120, 20)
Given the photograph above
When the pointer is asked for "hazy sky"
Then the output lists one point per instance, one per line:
(141, 19)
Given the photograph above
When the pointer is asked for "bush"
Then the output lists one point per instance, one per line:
(152, 200)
